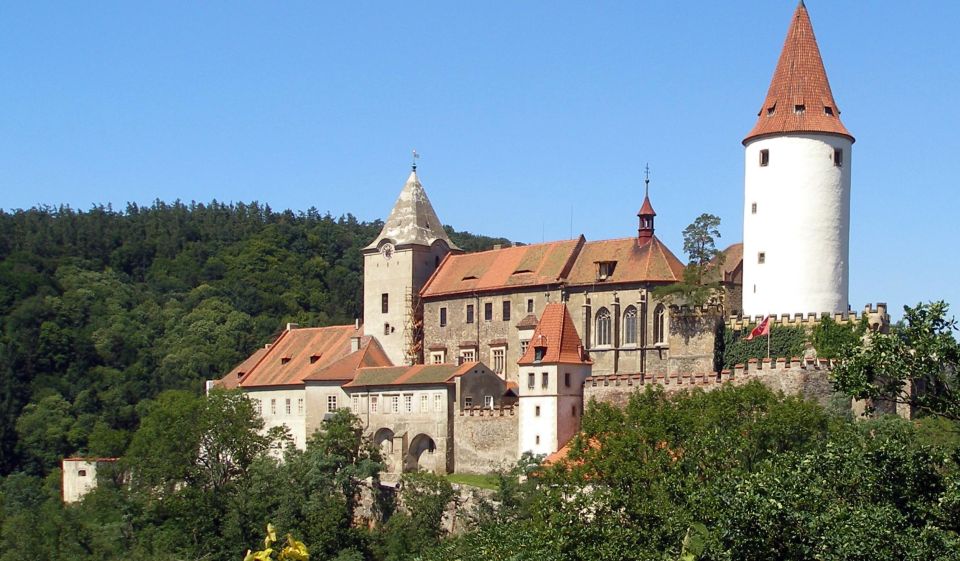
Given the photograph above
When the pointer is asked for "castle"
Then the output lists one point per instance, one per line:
(464, 361)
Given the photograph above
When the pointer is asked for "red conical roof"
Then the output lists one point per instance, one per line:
(799, 98)
(646, 209)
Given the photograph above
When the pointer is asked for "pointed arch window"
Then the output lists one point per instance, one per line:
(630, 326)
(603, 327)
(660, 325)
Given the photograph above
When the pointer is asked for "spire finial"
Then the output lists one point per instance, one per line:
(415, 157)
(646, 181)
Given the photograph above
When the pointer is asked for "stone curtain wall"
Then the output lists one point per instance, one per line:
(485, 440)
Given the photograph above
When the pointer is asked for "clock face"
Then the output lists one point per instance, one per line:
(386, 250)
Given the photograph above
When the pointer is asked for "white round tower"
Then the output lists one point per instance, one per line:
(796, 218)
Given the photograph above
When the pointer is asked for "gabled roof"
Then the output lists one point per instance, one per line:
(731, 268)
(799, 80)
(412, 220)
(370, 354)
(497, 269)
(298, 352)
(529, 321)
(558, 335)
(232, 379)
(418, 374)
(636, 261)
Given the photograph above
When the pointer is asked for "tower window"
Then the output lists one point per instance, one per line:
(764, 157)
(384, 302)
(771, 110)
(838, 157)
(469, 313)
(753, 208)
(800, 109)
(536, 411)
(386, 329)
(761, 258)
(443, 317)
(827, 110)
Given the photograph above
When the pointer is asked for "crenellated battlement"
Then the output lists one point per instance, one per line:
(876, 316)
(479, 411)
(688, 310)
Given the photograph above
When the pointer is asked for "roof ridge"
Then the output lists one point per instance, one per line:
(265, 355)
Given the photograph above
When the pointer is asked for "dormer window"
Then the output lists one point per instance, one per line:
(799, 109)
(827, 110)
(605, 269)
(771, 110)
(284, 360)
(539, 353)
(314, 358)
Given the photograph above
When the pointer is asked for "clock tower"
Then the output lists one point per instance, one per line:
(395, 267)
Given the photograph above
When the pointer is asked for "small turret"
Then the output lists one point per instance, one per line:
(646, 213)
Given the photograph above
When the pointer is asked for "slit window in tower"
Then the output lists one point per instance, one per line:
(529, 305)
(764, 157)
(799, 109)
(469, 313)
(761, 258)
(443, 317)
(838, 157)
(753, 208)
(384, 303)
(386, 329)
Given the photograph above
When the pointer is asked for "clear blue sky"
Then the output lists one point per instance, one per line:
(526, 114)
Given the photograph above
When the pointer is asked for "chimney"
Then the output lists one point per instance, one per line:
(292, 326)
(354, 344)
(356, 324)
(497, 246)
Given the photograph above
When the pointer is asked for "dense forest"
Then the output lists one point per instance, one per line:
(103, 309)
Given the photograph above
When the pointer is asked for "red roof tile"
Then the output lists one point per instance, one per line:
(800, 80)
(731, 270)
(418, 374)
(232, 379)
(646, 209)
(370, 354)
(557, 333)
(511, 267)
(636, 261)
(298, 352)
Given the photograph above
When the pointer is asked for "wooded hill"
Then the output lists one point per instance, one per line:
(102, 309)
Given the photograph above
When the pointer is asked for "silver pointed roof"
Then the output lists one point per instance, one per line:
(412, 220)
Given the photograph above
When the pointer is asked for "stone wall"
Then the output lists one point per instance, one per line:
(809, 378)
(485, 440)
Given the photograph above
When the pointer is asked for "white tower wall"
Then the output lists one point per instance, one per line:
(801, 225)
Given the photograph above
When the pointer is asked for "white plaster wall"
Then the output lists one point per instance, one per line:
(531, 426)
(802, 224)
(295, 421)
(317, 393)
(75, 486)
(392, 276)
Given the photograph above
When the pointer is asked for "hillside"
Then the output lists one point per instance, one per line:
(102, 309)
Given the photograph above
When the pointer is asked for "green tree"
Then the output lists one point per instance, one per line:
(699, 243)
(44, 434)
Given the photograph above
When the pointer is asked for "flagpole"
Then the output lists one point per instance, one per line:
(768, 341)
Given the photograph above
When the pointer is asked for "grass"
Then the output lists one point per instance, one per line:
(486, 481)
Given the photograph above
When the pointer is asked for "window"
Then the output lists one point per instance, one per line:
(488, 311)
(771, 110)
(827, 110)
(506, 310)
(287, 406)
(498, 360)
(539, 353)
(538, 439)
(394, 403)
(284, 360)
(355, 403)
(468, 401)
(81, 473)
(799, 109)
(531, 381)
(488, 401)
(331, 403)
(467, 355)
(529, 305)
(273, 406)
(753, 208)
(384, 302)
(566, 379)
(544, 380)
(424, 404)
(436, 357)
(386, 329)
(374, 403)
(629, 326)
(761, 257)
(764, 157)
(299, 406)
(838, 157)
(605, 268)
(603, 327)
(443, 317)
(469, 313)
(536, 411)
(408, 403)
(660, 325)
(437, 402)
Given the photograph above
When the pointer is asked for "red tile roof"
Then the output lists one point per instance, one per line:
(418, 374)
(232, 379)
(636, 261)
(298, 352)
(557, 333)
(370, 354)
(646, 209)
(731, 270)
(528, 265)
(799, 80)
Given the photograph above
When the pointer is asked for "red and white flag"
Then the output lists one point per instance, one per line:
(762, 329)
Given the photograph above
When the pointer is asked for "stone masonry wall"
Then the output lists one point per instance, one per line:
(485, 440)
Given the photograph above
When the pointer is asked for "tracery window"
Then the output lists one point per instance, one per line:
(630, 326)
(603, 327)
(660, 325)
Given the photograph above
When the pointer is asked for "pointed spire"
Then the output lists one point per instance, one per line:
(412, 220)
(646, 212)
(799, 98)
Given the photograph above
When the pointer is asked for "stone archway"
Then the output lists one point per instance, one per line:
(383, 439)
(421, 454)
